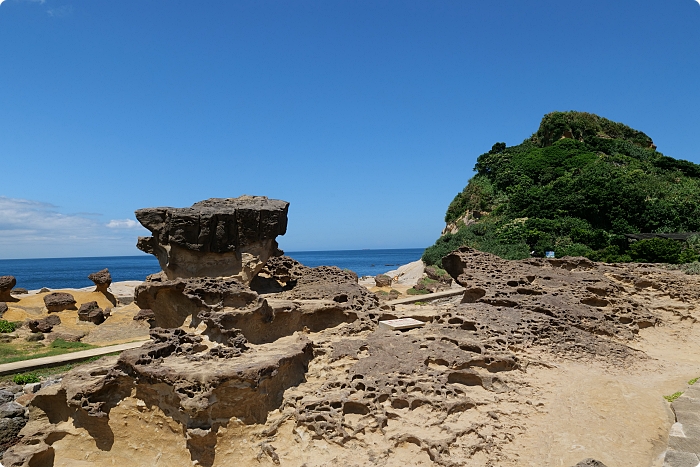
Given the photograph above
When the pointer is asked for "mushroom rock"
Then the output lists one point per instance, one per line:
(102, 280)
(59, 301)
(218, 237)
(6, 284)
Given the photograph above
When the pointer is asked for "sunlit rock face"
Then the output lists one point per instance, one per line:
(218, 237)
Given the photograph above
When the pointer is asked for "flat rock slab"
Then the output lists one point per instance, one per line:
(684, 438)
(399, 324)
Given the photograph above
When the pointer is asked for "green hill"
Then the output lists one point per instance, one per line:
(576, 187)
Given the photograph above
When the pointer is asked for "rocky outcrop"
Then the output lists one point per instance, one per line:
(218, 237)
(102, 280)
(59, 301)
(92, 313)
(572, 292)
(44, 324)
(6, 285)
(382, 280)
(3, 308)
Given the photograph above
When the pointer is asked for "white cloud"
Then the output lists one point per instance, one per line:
(122, 224)
(34, 229)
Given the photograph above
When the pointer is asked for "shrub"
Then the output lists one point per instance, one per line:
(656, 250)
(7, 326)
(25, 378)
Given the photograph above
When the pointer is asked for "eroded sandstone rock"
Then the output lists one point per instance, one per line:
(3, 308)
(91, 312)
(218, 237)
(102, 280)
(59, 301)
(44, 324)
(6, 285)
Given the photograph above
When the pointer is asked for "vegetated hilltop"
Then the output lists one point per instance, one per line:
(576, 187)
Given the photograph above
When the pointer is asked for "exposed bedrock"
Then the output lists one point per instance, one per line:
(218, 237)
(199, 387)
(574, 291)
(6, 285)
(222, 308)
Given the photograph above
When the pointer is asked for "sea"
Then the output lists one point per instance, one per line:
(72, 273)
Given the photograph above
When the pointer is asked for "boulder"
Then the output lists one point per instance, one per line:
(59, 301)
(6, 396)
(102, 280)
(44, 324)
(35, 337)
(3, 308)
(11, 410)
(19, 291)
(6, 285)
(218, 237)
(382, 280)
(91, 312)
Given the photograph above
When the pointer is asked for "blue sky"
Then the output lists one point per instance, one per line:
(367, 116)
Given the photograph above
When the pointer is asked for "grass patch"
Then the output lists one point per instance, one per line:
(55, 370)
(693, 381)
(673, 396)
(22, 350)
(413, 291)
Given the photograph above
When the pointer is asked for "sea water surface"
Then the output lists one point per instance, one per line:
(56, 273)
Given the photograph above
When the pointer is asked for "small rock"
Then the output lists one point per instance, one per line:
(59, 301)
(32, 388)
(25, 399)
(6, 285)
(44, 290)
(9, 430)
(6, 396)
(102, 280)
(45, 324)
(35, 337)
(67, 337)
(11, 410)
(91, 312)
(19, 291)
(3, 308)
(382, 280)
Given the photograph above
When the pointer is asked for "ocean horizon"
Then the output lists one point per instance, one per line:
(56, 273)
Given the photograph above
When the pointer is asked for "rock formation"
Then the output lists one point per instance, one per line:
(218, 237)
(59, 301)
(3, 308)
(91, 312)
(6, 285)
(382, 280)
(265, 370)
(44, 324)
(102, 280)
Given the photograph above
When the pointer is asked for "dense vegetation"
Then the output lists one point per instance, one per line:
(576, 187)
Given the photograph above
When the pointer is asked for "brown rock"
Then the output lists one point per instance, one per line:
(59, 301)
(3, 308)
(19, 291)
(6, 285)
(218, 237)
(91, 312)
(44, 324)
(145, 315)
(102, 280)
(382, 280)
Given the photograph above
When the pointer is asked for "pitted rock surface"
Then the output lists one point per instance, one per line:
(59, 301)
(6, 285)
(569, 292)
(218, 237)
(102, 280)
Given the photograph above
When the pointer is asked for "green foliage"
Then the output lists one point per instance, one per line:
(575, 187)
(673, 396)
(656, 250)
(693, 381)
(7, 326)
(25, 378)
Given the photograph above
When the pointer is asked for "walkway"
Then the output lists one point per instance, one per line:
(24, 365)
(684, 439)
